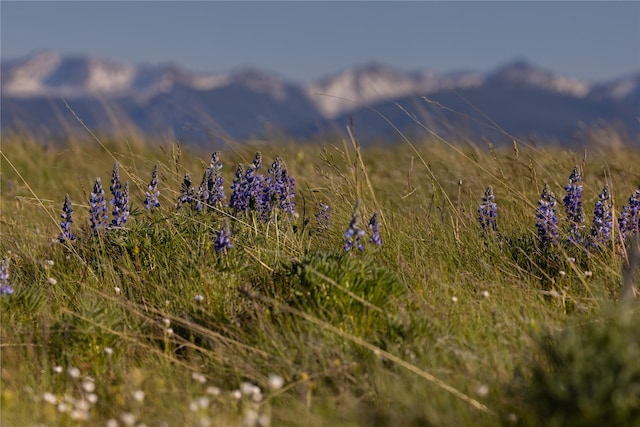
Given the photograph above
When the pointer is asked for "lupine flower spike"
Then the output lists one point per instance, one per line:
(354, 234)
(215, 181)
(253, 185)
(121, 207)
(97, 207)
(223, 239)
(5, 287)
(630, 217)
(323, 217)
(573, 206)
(120, 198)
(374, 228)
(186, 195)
(152, 193)
(279, 190)
(65, 225)
(203, 191)
(547, 217)
(237, 201)
(488, 212)
(602, 218)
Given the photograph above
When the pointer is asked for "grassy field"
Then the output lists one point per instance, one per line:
(444, 324)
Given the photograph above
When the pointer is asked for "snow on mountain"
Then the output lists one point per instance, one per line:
(26, 78)
(376, 82)
(622, 88)
(522, 72)
(358, 86)
(48, 74)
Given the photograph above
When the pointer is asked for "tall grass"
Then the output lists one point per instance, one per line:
(435, 327)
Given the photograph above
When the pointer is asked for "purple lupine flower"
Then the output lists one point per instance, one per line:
(237, 200)
(323, 217)
(488, 211)
(5, 287)
(187, 192)
(248, 189)
(215, 183)
(152, 193)
(547, 217)
(119, 199)
(253, 190)
(65, 225)
(602, 218)
(629, 221)
(354, 234)
(203, 191)
(279, 190)
(97, 207)
(116, 186)
(223, 239)
(374, 227)
(121, 207)
(573, 206)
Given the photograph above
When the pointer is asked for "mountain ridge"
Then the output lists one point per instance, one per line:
(247, 102)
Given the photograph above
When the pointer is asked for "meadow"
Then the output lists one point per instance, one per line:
(207, 310)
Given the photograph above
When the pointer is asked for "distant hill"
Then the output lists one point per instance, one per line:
(518, 97)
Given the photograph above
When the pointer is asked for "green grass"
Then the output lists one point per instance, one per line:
(442, 325)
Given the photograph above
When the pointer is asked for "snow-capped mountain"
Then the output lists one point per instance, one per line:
(250, 102)
(373, 82)
(521, 72)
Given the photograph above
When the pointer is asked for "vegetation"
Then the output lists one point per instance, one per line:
(467, 305)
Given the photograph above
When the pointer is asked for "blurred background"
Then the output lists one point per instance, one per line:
(204, 72)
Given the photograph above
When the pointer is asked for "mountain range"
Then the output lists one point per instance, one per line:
(41, 93)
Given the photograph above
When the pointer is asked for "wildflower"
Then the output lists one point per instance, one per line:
(5, 287)
(120, 198)
(223, 239)
(88, 385)
(213, 391)
(138, 395)
(374, 227)
(52, 281)
(275, 382)
(354, 233)
(186, 195)
(237, 195)
(121, 207)
(488, 211)
(50, 398)
(573, 206)
(152, 193)
(202, 196)
(73, 372)
(248, 190)
(253, 184)
(215, 182)
(198, 377)
(602, 218)
(547, 217)
(630, 217)
(322, 217)
(279, 190)
(65, 225)
(97, 207)
(482, 390)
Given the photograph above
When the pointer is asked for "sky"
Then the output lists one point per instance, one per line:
(303, 40)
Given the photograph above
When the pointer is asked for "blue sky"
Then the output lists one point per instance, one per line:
(306, 40)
